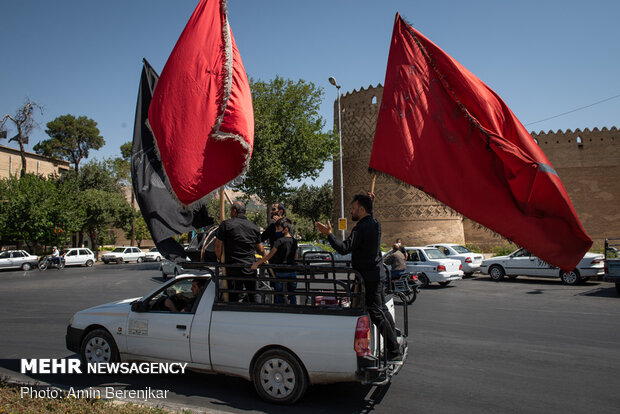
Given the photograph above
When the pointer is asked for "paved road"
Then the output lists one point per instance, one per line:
(477, 346)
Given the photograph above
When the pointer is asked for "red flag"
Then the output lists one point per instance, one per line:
(442, 130)
(201, 114)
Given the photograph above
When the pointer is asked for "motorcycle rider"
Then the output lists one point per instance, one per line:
(55, 256)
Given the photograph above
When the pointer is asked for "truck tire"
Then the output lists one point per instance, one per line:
(497, 273)
(99, 346)
(279, 377)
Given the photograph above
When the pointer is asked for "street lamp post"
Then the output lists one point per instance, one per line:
(332, 80)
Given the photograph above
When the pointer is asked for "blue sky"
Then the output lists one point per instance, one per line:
(84, 57)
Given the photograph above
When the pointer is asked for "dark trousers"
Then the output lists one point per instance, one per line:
(248, 284)
(380, 315)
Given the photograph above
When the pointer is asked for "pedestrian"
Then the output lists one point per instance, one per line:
(239, 239)
(364, 245)
(396, 260)
(276, 213)
(283, 251)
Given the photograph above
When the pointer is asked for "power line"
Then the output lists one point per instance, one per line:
(574, 110)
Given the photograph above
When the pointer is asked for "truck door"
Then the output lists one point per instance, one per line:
(159, 332)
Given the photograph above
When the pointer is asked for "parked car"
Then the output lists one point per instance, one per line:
(471, 261)
(316, 252)
(79, 256)
(153, 255)
(432, 266)
(17, 259)
(523, 263)
(124, 254)
(170, 268)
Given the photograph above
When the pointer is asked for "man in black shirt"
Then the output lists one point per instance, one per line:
(277, 212)
(364, 245)
(239, 239)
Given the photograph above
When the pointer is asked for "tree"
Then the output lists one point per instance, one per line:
(288, 140)
(102, 210)
(71, 139)
(24, 122)
(138, 229)
(313, 202)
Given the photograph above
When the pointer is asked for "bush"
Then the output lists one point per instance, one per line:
(502, 250)
(473, 247)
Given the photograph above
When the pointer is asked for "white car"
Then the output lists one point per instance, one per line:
(17, 259)
(153, 255)
(471, 261)
(79, 256)
(523, 263)
(124, 254)
(432, 266)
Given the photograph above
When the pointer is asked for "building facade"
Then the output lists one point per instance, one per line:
(11, 163)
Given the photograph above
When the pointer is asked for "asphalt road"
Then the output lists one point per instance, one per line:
(476, 346)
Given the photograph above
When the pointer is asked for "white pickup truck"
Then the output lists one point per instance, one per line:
(281, 348)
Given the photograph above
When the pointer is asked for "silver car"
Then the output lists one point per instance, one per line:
(17, 259)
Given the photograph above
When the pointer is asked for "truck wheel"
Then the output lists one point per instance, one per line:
(497, 273)
(99, 346)
(570, 278)
(279, 377)
(424, 282)
(26, 266)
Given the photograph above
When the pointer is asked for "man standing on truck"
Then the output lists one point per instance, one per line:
(239, 239)
(363, 243)
(277, 212)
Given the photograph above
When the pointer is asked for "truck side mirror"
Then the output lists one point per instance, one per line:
(138, 306)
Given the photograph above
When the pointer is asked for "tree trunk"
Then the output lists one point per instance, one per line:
(133, 219)
(22, 153)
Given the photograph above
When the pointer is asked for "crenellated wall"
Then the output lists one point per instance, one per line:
(588, 162)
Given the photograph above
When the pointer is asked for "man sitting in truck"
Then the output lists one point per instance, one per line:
(182, 303)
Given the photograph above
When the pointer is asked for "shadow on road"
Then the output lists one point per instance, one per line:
(603, 292)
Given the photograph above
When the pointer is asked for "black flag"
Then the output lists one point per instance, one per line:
(164, 217)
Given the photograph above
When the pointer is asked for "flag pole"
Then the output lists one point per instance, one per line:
(222, 217)
(373, 181)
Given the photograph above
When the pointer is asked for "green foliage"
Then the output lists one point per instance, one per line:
(473, 247)
(288, 140)
(38, 211)
(141, 229)
(313, 202)
(503, 250)
(71, 139)
(95, 175)
(103, 210)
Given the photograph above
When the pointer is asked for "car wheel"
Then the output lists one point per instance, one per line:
(570, 278)
(140, 260)
(61, 265)
(279, 377)
(158, 259)
(446, 283)
(424, 282)
(119, 261)
(497, 273)
(99, 346)
(26, 267)
(105, 261)
(89, 263)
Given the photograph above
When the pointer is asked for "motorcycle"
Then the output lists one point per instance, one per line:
(48, 261)
(406, 288)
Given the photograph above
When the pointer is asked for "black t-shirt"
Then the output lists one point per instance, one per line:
(240, 237)
(286, 249)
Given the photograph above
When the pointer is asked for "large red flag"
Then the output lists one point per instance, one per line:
(442, 130)
(201, 114)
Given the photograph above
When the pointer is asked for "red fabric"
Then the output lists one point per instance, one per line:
(502, 181)
(186, 104)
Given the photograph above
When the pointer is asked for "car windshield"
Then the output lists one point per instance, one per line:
(461, 249)
(154, 250)
(118, 250)
(434, 254)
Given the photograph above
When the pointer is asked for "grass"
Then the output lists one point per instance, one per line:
(12, 402)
